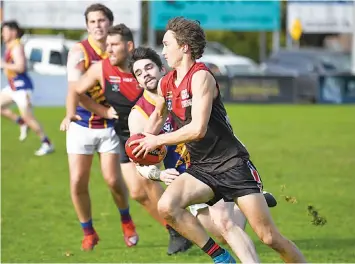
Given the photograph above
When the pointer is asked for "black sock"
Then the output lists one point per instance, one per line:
(20, 121)
(46, 140)
(172, 231)
(212, 248)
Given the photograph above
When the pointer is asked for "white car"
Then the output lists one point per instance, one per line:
(47, 54)
(230, 66)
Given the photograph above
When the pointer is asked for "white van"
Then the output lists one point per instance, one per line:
(47, 54)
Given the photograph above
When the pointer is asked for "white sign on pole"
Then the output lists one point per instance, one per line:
(321, 16)
(69, 14)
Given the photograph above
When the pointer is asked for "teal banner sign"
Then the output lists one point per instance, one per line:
(219, 15)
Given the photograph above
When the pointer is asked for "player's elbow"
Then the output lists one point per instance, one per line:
(199, 132)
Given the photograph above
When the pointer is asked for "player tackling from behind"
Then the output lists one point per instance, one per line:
(220, 165)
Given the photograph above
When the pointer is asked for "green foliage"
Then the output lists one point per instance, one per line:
(69, 34)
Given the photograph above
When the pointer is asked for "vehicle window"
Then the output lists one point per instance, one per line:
(36, 55)
(58, 58)
(341, 62)
(300, 64)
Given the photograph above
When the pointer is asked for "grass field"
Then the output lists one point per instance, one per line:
(305, 154)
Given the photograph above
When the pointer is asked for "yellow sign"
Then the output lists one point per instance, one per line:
(296, 30)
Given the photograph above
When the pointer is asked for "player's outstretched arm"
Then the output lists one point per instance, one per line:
(159, 115)
(203, 88)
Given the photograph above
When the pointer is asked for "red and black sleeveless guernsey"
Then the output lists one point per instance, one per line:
(93, 54)
(219, 150)
(122, 92)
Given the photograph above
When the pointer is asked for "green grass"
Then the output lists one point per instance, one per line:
(305, 152)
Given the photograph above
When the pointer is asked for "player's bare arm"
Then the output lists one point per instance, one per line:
(136, 123)
(76, 68)
(204, 91)
(159, 115)
(87, 81)
(78, 80)
(19, 64)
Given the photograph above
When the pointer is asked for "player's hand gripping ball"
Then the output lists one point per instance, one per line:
(153, 157)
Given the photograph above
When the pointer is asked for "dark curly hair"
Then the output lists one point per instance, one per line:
(188, 32)
(142, 53)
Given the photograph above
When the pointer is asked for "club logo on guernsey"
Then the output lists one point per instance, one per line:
(169, 102)
(115, 88)
(186, 103)
(115, 83)
(167, 126)
(184, 94)
(185, 98)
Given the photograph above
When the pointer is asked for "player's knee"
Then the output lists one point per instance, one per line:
(139, 195)
(31, 121)
(78, 184)
(26, 113)
(166, 207)
(271, 238)
(112, 182)
(223, 223)
(138, 192)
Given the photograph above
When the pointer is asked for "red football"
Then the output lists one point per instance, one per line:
(153, 157)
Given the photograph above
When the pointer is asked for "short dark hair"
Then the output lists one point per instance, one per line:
(99, 7)
(13, 25)
(123, 30)
(142, 53)
(188, 32)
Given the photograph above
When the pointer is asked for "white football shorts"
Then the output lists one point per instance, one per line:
(22, 98)
(87, 141)
(196, 207)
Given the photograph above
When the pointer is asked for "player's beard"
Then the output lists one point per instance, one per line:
(118, 61)
(152, 85)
